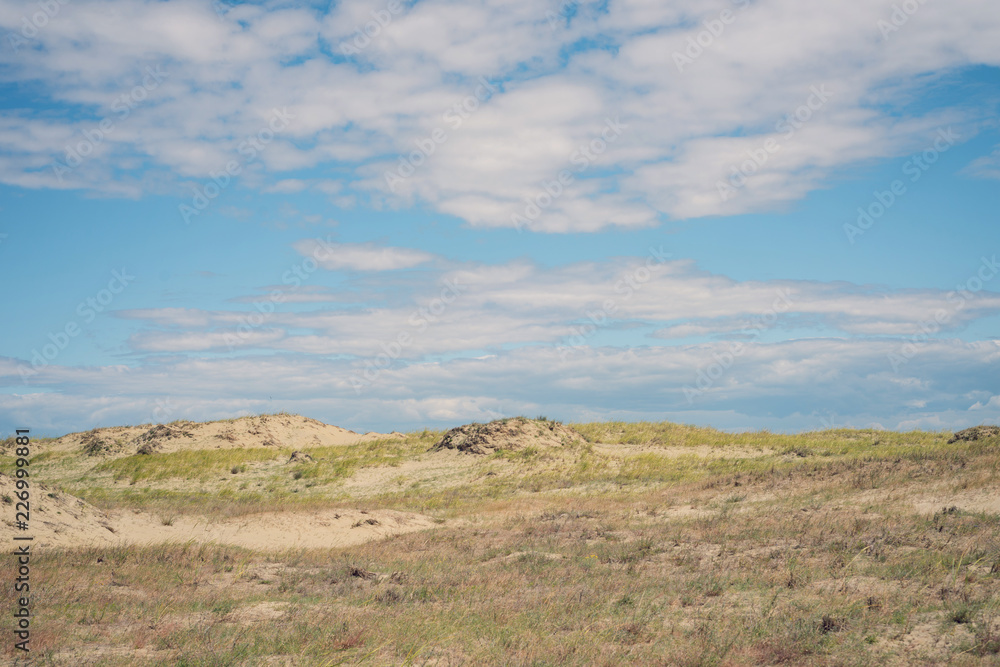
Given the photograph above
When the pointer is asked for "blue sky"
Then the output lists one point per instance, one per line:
(740, 214)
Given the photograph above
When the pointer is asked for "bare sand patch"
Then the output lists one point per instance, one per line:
(56, 518)
(258, 613)
(544, 555)
(433, 471)
(931, 638)
(980, 500)
(62, 520)
(274, 531)
(856, 586)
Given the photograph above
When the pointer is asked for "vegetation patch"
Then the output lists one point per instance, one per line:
(976, 433)
(508, 435)
(152, 440)
(95, 443)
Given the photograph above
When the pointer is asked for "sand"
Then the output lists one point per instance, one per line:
(61, 520)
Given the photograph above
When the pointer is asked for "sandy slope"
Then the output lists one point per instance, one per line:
(55, 518)
(61, 520)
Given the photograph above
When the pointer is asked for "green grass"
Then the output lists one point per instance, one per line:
(196, 464)
(204, 481)
(331, 463)
(835, 441)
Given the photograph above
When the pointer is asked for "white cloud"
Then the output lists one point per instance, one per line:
(287, 186)
(992, 404)
(169, 317)
(156, 341)
(804, 382)
(362, 256)
(468, 308)
(227, 72)
(987, 166)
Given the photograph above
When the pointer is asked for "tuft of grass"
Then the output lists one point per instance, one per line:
(987, 639)
(962, 614)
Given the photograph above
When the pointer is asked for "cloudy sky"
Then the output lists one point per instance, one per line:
(384, 214)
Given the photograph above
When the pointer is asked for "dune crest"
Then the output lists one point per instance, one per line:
(280, 430)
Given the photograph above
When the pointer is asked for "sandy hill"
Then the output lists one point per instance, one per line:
(512, 435)
(57, 518)
(281, 430)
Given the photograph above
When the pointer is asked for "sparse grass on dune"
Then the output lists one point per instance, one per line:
(234, 482)
(214, 505)
(681, 435)
(332, 463)
(775, 549)
(262, 477)
(196, 464)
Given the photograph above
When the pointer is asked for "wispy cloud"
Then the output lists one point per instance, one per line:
(814, 378)
(522, 303)
(362, 256)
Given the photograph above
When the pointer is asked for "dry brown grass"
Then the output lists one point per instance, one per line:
(812, 556)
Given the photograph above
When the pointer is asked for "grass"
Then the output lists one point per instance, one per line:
(770, 549)
(623, 590)
(332, 462)
(223, 482)
(832, 458)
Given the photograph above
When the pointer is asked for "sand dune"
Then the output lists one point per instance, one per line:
(61, 520)
(282, 430)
